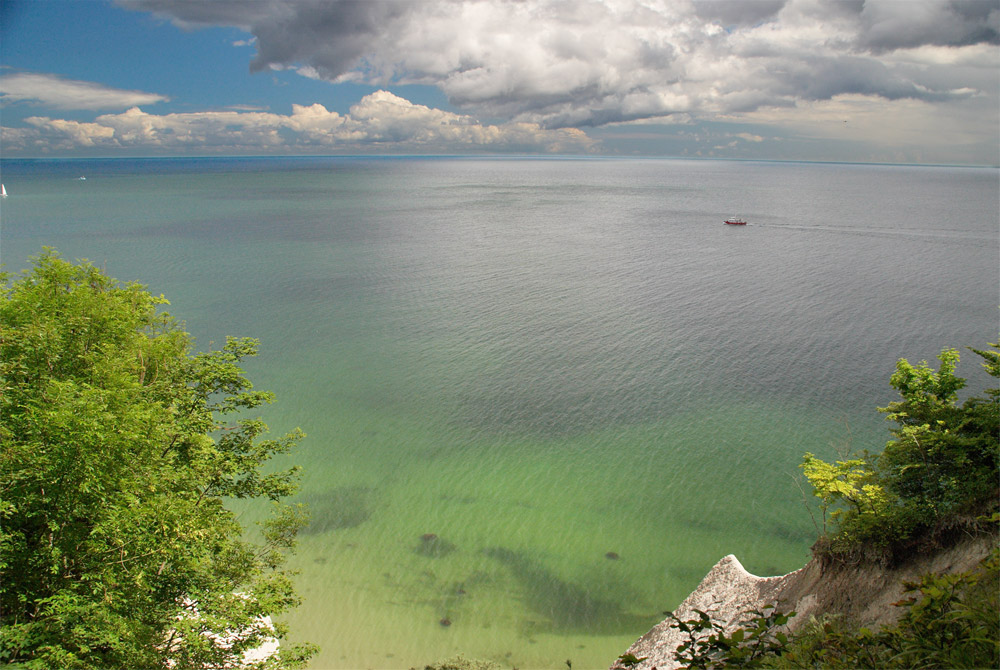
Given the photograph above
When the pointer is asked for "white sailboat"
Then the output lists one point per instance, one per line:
(3, 191)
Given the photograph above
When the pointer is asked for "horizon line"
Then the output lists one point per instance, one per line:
(495, 156)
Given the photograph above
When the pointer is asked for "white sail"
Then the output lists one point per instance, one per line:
(3, 191)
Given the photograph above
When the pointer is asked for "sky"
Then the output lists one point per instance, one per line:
(892, 81)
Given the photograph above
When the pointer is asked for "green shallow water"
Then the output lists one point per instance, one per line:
(523, 529)
(540, 363)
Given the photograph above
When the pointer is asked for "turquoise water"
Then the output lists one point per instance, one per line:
(541, 363)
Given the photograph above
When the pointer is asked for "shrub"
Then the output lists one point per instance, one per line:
(943, 462)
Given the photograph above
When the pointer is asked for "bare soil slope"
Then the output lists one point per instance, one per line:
(863, 593)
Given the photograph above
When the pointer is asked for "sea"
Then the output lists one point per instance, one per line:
(543, 396)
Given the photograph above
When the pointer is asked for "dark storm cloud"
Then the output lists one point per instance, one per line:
(737, 12)
(822, 79)
(899, 25)
(330, 36)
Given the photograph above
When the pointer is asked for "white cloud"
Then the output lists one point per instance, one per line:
(53, 91)
(379, 120)
(906, 74)
(593, 62)
(975, 55)
(76, 133)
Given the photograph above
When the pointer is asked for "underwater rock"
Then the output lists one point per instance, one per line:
(433, 546)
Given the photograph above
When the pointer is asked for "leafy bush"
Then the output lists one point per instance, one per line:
(462, 663)
(862, 508)
(709, 646)
(943, 462)
(941, 469)
(950, 621)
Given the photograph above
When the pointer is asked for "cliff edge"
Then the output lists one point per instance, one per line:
(862, 593)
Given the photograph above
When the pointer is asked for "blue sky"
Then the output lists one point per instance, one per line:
(858, 80)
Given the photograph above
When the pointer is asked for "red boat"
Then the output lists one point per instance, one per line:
(736, 222)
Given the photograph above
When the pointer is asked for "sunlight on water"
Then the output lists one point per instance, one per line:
(543, 398)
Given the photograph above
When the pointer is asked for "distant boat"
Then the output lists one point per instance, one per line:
(83, 179)
(3, 191)
(733, 221)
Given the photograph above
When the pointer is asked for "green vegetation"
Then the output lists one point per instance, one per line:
(939, 474)
(749, 646)
(949, 621)
(940, 471)
(120, 446)
(462, 663)
(629, 661)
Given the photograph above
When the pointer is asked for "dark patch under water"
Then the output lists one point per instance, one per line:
(565, 606)
(432, 546)
(343, 507)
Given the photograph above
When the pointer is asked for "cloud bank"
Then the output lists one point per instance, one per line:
(53, 91)
(593, 62)
(880, 80)
(378, 120)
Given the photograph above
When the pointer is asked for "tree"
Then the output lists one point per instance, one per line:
(945, 455)
(943, 462)
(853, 483)
(120, 448)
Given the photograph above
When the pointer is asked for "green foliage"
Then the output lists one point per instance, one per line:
(950, 621)
(462, 663)
(943, 463)
(867, 509)
(629, 660)
(119, 448)
(944, 460)
(944, 455)
(708, 646)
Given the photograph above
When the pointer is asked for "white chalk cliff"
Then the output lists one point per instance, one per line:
(863, 594)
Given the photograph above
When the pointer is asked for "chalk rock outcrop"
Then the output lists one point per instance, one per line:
(727, 593)
(862, 593)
